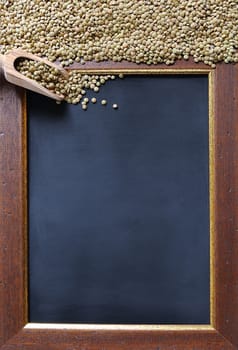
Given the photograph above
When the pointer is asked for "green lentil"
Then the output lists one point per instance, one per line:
(139, 31)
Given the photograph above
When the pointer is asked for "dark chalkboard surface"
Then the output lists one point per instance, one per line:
(119, 205)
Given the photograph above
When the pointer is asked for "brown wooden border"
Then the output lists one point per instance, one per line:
(222, 334)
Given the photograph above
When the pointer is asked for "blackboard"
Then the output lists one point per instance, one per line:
(119, 205)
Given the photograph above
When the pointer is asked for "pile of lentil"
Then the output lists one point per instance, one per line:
(140, 31)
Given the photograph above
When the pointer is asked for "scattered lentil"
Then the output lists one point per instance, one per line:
(103, 102)
(115, 106)
(73, 88)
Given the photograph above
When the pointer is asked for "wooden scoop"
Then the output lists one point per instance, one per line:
(7, 64)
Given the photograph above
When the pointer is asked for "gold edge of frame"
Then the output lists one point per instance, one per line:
(211, 78)
(187, 327)
(25, 201)
(119, 327)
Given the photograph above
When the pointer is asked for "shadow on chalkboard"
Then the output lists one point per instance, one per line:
(47, 107)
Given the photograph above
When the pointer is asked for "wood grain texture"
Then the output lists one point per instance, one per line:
(124, 65)
(12, 212)
(226, 202)
(117, 340)
(13, 252)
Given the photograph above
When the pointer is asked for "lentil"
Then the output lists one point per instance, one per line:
(140, 31)
(73, 88)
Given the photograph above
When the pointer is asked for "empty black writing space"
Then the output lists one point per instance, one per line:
(119, 205)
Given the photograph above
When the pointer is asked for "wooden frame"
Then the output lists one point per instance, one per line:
(15, 331)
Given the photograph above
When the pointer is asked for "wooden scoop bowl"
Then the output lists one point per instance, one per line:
(7, 64)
